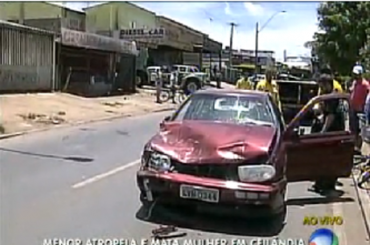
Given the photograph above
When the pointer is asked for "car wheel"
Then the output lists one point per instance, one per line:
(191, 86)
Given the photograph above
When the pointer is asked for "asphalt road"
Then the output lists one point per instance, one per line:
(79, 182)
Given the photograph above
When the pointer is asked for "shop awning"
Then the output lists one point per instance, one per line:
(98, 42)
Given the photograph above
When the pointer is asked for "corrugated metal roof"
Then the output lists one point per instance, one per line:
(23, 27)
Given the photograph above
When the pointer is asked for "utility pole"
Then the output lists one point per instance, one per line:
(256, 50)
(233, 25)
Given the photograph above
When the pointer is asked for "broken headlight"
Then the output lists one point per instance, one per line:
(256, 173)
(159, 162)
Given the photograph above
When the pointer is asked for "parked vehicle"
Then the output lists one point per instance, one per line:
(152, 72)
(229, 151)
(190, 77)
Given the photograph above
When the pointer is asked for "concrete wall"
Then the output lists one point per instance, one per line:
(26, 59)
(32, 10)
(119, 15)
(43, 15)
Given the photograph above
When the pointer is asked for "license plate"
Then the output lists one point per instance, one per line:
(199, 193)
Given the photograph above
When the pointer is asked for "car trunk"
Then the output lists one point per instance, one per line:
(294, 95)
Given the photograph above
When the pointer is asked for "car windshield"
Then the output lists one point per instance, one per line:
(234, 109)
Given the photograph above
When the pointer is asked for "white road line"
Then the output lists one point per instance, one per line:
(105, 175)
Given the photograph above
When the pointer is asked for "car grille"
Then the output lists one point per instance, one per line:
(215, 171)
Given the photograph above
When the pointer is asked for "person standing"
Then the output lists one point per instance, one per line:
(244, 83)
(333, 120)
(358, 92)
(270, 86)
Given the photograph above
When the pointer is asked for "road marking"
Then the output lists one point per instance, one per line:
(105, 175)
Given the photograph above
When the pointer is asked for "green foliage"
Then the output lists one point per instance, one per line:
(343, 36)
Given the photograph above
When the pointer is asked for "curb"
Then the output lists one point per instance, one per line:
(364, 202)
(11, 135)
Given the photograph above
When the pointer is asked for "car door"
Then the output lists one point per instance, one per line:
(317, 155)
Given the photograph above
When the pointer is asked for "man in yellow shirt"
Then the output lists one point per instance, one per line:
(244, 83)
(337, 87)
(270, 86)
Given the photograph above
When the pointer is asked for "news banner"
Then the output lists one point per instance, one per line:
(121, 241)
(317, 236)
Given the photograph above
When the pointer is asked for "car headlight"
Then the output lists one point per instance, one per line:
(256, 173)
(159, 162)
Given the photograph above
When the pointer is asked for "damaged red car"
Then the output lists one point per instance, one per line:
(230, 150)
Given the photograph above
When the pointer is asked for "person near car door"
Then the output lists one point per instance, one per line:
(336, 84)
(359, 90)
(332, 120)
(270, 86)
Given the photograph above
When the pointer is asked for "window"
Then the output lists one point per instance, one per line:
(133, 24)
(243, 110)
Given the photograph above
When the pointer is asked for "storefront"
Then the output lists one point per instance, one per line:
(88, 63)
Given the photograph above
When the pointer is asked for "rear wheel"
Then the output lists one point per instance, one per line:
(191, 85)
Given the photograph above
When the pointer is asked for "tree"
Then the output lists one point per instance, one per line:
(343, 32)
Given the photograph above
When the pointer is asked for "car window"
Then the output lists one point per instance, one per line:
(182, 69)
(194, 69)
(226, 108)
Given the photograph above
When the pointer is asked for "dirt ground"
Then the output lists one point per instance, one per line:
(21, 112)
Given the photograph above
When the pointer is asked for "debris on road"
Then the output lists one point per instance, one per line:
(167, 232)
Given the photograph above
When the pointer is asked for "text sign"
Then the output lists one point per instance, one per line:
(94, 41)
(152, 33)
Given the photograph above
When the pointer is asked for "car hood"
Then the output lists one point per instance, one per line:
(212, 142)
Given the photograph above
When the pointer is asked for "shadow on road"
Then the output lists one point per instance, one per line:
(318, 200)
(189, 219)
(73, 158)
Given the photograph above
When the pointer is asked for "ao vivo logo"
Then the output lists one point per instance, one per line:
(323, 220)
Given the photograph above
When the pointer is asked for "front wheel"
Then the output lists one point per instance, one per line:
(164, 96)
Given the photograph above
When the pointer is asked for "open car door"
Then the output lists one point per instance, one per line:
(318, 155)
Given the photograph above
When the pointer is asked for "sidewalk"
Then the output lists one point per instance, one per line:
(364, 194)
(38, 111)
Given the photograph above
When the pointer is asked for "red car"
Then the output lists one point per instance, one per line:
(229, 150)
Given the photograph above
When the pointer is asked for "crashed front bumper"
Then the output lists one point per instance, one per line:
(253, 200)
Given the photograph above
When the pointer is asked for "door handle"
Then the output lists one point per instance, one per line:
(346, 141)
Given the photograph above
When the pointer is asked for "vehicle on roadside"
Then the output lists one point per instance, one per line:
(153, 72)
(190, 78)
(229, 151)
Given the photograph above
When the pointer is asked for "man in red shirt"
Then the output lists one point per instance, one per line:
(358, 91)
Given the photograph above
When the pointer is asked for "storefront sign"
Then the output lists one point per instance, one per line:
(94, 41)
(142, 33)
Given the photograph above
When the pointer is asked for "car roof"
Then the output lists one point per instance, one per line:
(239, 92)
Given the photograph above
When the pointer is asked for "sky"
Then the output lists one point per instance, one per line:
(286, 31)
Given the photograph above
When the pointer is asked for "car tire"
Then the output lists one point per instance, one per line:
(191, 85)
(278, 219)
